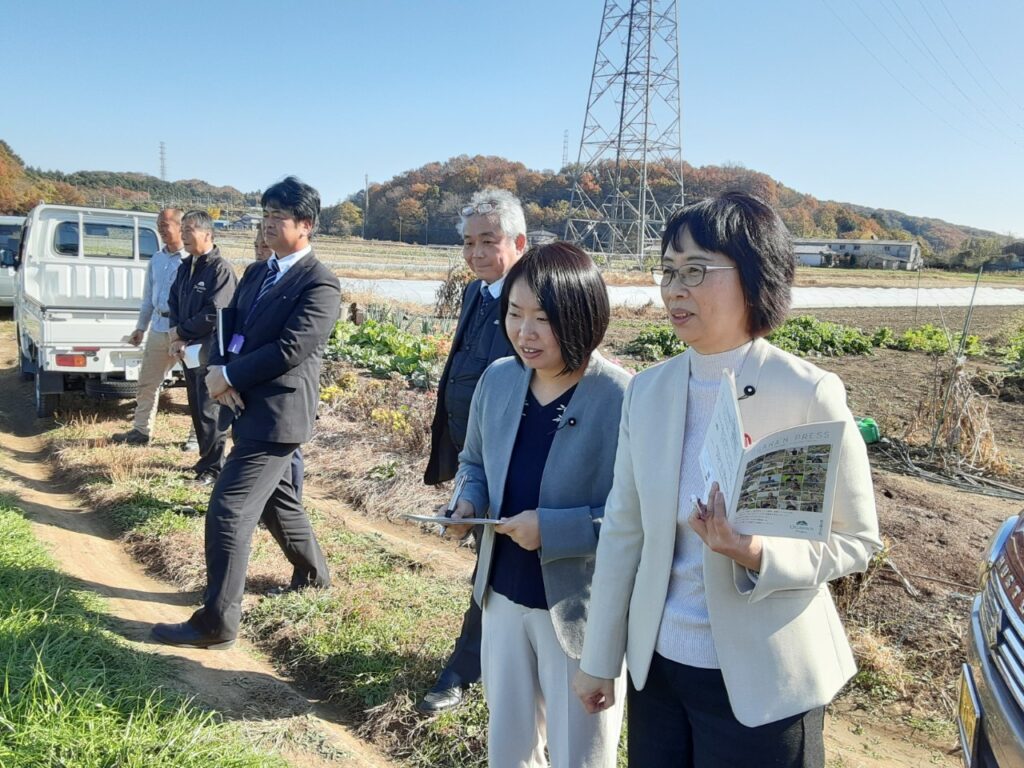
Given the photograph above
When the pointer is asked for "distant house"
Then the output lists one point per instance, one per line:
(540, 237)
(814, 255)
(866, 254)
(246, 221)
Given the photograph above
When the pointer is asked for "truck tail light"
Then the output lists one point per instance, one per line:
(71, 361)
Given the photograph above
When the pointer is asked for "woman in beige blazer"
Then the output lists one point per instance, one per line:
(732, 642)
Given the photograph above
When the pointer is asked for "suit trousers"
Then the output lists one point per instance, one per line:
(210, 419)
(156, 362)
(682, 718)
(255, 486)
(464, 662)
(528, 687)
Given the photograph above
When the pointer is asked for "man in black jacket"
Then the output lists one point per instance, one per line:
(205, 283)
(268, 372)
(493, 229)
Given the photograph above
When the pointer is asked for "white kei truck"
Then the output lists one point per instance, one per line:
(80, 278)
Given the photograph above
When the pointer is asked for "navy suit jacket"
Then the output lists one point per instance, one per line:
(277, 370)
(444, 453)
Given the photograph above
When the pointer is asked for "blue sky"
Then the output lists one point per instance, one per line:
(916, 105)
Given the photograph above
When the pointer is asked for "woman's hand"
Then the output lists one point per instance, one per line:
(523, 529)
(595, 693)
(463, 509)
(710, 524)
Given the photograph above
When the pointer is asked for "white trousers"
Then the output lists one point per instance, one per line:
(527, 681)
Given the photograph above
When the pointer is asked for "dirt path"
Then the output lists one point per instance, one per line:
(237, 683)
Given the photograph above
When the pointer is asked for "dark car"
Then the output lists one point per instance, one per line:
(990, 714)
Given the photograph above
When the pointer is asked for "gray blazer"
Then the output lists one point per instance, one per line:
(573, 489)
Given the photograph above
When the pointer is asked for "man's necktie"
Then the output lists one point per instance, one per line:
(273, 272)
(486, 299)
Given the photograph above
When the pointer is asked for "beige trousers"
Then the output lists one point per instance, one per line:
(528, 686)
(156, 362)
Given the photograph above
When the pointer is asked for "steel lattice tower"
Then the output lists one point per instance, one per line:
(632, 127)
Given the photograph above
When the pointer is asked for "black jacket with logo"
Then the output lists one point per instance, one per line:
(197, 294)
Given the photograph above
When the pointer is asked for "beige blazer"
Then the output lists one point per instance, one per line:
(780, 644)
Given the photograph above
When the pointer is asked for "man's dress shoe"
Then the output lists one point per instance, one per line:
(187, 636)
(446, 694)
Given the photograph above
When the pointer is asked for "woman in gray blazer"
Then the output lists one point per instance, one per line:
(539, 455)
(732, 641)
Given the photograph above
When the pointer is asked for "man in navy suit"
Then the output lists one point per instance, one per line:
(268, 371)
(493, 229)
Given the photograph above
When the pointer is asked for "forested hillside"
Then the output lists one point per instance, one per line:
(422, 205)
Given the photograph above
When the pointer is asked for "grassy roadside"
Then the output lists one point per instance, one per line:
(74, 694)
(371, 643)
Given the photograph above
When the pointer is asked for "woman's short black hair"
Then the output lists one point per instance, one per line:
(750, 233)
(572, 293)
(295, 197)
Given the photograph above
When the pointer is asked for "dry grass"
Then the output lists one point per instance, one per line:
(955, 418)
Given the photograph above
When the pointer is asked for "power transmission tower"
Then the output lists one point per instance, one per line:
(565, 148)
(163, 162)
(631, 133)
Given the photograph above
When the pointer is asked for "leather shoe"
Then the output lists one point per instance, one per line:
(187, 636)
(205, 479)
(445, 695)
(131, 437)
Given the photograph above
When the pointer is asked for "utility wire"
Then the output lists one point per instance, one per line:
(899, 51)
(981, 60)
(962, 64)
(899, 82)
(952, 80)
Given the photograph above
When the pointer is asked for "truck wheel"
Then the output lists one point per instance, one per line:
(45, 404)
(115, 389)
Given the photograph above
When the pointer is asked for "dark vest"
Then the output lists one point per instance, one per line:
(468, 364)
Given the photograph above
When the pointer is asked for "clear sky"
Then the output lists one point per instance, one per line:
(915, 105)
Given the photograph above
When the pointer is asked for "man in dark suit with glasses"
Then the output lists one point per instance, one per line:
(267, 369)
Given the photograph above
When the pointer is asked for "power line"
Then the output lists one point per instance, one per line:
(909, 63)
(978, 57)
(962, 64)
(950, 77)
(899, 82)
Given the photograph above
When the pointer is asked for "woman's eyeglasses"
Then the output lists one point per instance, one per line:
(481, 208)
(691, 275)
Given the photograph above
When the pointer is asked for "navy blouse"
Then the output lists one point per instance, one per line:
(516, 572)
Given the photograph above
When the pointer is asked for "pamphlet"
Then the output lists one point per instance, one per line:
(191, 355)
(782, 485)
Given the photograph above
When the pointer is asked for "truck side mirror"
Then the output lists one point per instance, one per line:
(7, 258)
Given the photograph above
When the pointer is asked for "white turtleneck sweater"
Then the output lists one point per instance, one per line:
(685, 632)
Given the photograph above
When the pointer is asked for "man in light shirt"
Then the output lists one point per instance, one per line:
(154, 315)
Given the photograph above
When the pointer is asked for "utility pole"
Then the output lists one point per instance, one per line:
(366, 201)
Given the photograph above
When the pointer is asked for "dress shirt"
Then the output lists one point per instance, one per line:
(283, 265)
(494, 288)
(160, 273)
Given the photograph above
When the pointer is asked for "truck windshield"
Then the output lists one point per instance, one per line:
(109, 241)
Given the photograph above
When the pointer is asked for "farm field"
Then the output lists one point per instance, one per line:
(352, 257)
(368, 646)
